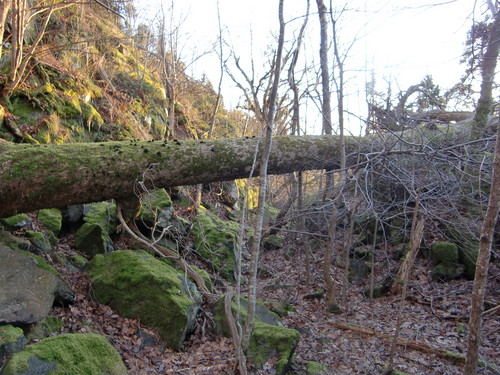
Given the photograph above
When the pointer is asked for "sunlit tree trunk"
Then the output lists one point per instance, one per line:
(4, 10)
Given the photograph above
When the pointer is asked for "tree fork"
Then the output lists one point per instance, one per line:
(46, 176)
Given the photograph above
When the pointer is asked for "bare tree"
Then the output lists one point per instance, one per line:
(255, 249)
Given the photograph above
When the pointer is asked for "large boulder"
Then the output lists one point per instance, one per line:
(28, 291)
(216, 241)
(75, 354)
(137, 285)
(444, 256)
(269, 339)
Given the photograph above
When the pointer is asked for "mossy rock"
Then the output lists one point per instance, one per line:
(40, 261)
(16, 221)
(273, 242)
(281, 308)
(444, 252)
(269, 338)
(44, 328)
(153, 204)
(468, 257)
(78, 261)
(216, 240)
(76, 354)
(15, 243)
(447, 271)
(102, 213)
(12, 340)
(51, 219)
(43, 242)
(268, 342)
(315, 368)
(93, 239)
(137, 285)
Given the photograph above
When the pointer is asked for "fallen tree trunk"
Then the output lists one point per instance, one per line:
(46, 176)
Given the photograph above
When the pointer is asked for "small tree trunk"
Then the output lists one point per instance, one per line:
(4, 10)
(255, 250)
(482, 264)
(485, 101)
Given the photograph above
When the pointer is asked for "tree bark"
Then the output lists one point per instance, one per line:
(488, 68)
(482, 264)
(45, 176)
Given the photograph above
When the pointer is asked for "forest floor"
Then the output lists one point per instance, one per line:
(358, 341)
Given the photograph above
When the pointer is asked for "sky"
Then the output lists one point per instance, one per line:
(400, 41)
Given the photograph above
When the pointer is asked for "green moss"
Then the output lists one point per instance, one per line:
(45, 328)
(446, 271)
(78, 261)
(102, 213)
(216, 240)
(76, 354)
(269, 341)
(137, 285)
(40, 241)
(16, 221)
(444, 252)
(92, 118)
(51, 219)
(92, 239)
(10, 334)
(315, 368)
(41, 262)
(153, 204)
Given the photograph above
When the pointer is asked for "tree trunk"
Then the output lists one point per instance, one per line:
(485, 101)
(4, 10)
(482, 264)
(45, 176)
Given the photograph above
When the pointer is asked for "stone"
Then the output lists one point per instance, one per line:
(444, 252)
(12, 340)
(137, 285)
(315, 368)
(273, 242)
(77, 353)
(50, 218)
(44, 328)
(15, 243)
(93, 239)
(16, 221)
(41, 242)
(28, 291)
(269, 339)
(358, 270)
(229, 194)
(216, 241)
(447, 271)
